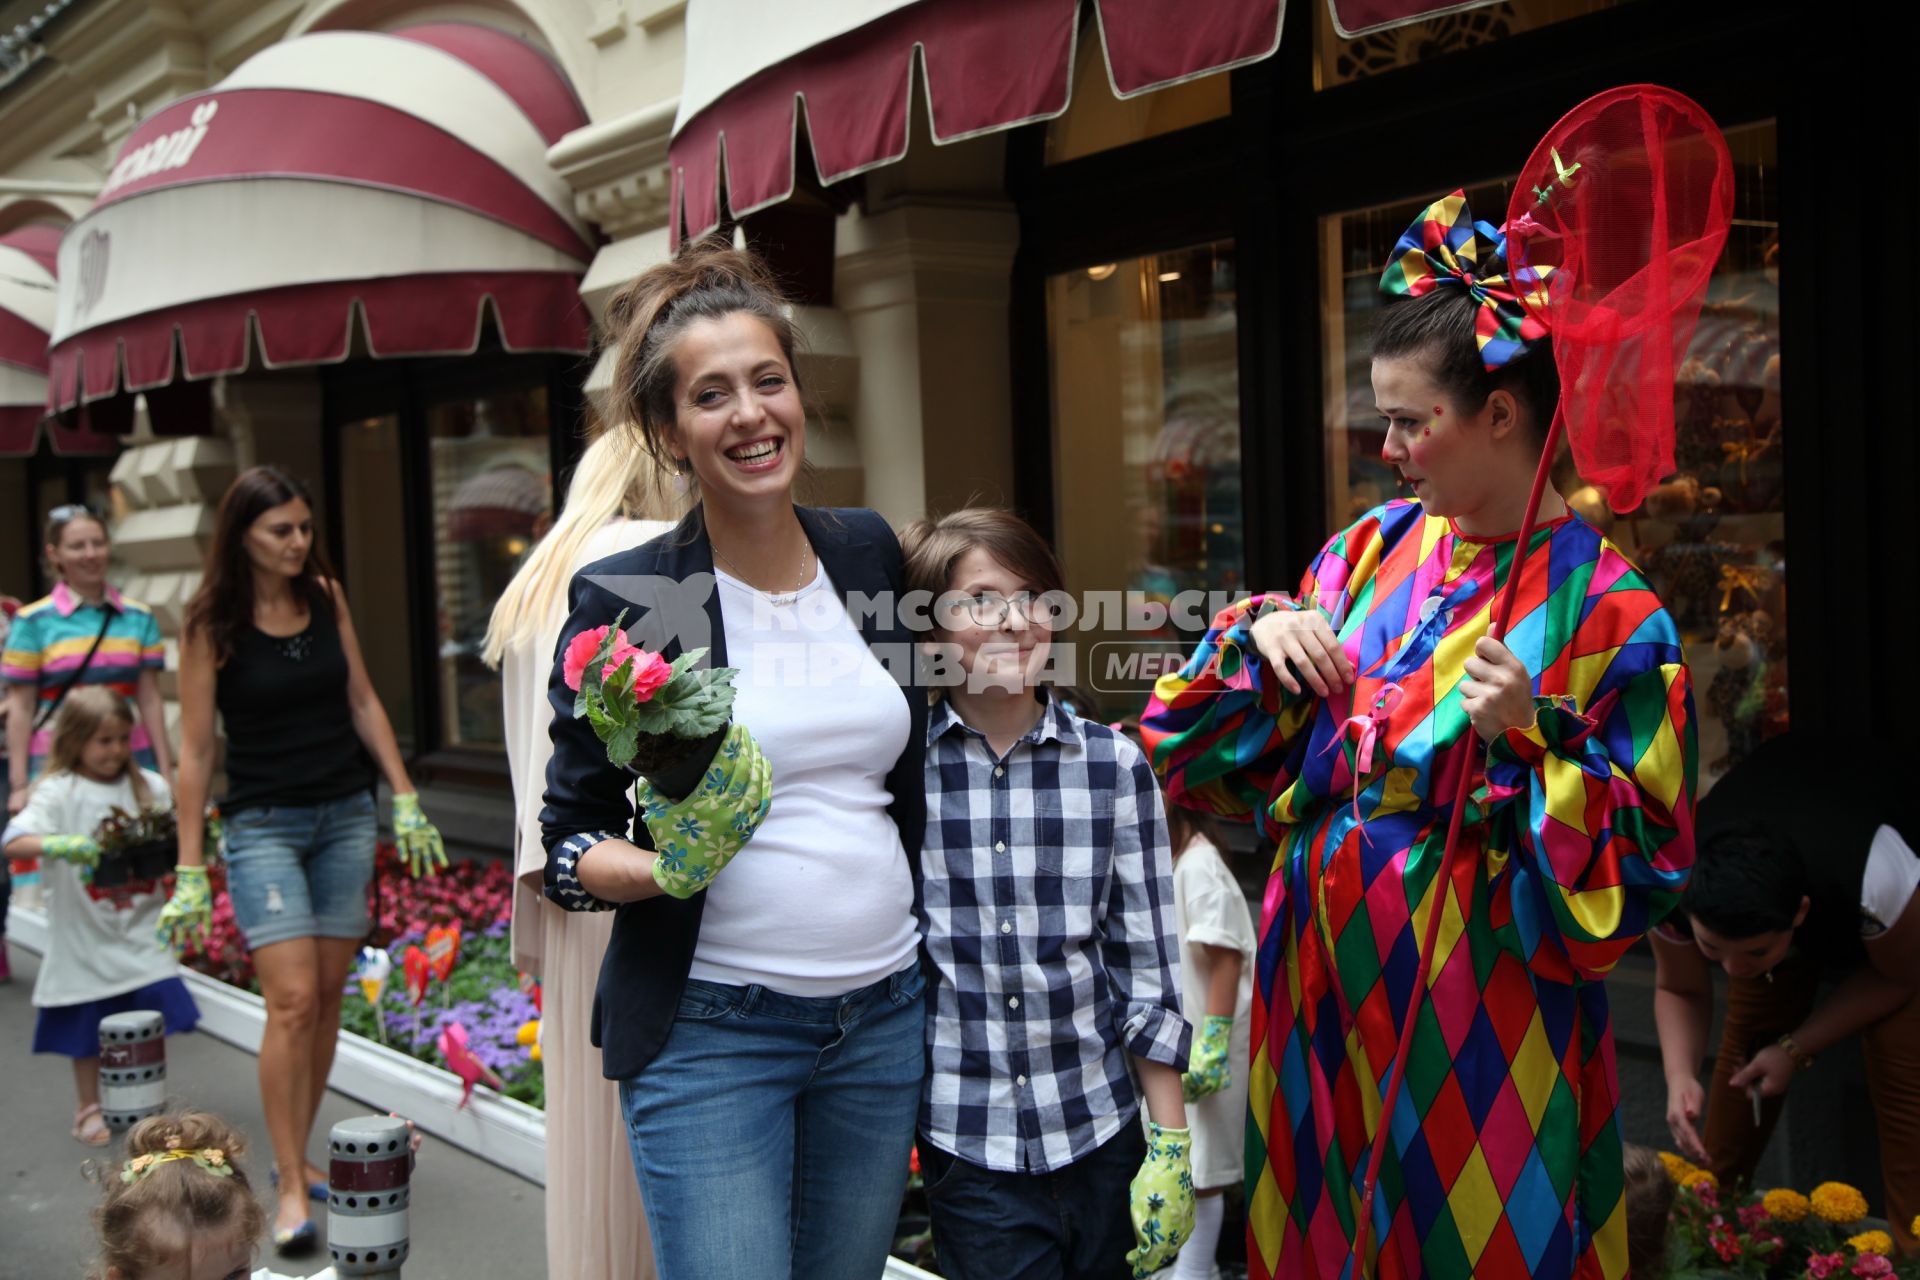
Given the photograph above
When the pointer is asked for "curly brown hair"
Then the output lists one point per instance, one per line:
(145, 1223)
(1649, 1195)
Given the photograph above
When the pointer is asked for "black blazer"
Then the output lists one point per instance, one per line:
(660, 586)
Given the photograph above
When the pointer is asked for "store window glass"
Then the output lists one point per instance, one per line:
(490, 473)
(374, 564)
(1712, 537)
(1095, 120)
(1146, 415)
(1338, 61)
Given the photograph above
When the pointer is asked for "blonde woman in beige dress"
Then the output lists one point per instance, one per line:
(596, 1227)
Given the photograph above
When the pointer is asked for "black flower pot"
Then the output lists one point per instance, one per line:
(149, 860)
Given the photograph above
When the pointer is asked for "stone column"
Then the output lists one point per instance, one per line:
(170, 489)
(924, 285)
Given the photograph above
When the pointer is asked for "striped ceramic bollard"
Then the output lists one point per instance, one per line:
(133, 1067)
(367, 1195)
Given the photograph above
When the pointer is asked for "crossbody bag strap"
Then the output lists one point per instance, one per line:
(47, 709)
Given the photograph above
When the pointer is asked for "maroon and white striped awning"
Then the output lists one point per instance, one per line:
(402, 175)
(1352, 18)
(26, 315)
(984, 65)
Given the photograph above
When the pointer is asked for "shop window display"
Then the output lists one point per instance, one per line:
(492, 500)
(1146, 412)
(1712, 537)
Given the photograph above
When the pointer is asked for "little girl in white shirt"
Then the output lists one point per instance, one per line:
(104, 955)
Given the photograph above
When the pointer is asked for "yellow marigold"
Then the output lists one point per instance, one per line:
(1871, 1242)
(1786, 1205)
(1676, 1166)
(1913, 1228)
(1838, 1203)
(1701, 1177)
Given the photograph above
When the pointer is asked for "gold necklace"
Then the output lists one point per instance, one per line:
(773, 598)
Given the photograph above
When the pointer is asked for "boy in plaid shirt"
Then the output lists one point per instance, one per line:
(1047, 900)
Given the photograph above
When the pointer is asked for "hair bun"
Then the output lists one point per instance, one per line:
(186, 1131)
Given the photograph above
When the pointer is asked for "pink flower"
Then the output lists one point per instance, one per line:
(580, 651)
(1822, 1265)
(1872, 1264)
(1751, 1215)
(650, 671)
(1706, 1194)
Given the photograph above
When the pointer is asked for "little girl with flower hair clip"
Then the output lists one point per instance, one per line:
(179, 1207)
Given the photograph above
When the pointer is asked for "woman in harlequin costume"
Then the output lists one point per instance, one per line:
(1340, 718)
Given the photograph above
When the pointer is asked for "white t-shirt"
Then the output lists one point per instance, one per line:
(100, 942)
(1210, 911)
(1893, 874)
(820, 903)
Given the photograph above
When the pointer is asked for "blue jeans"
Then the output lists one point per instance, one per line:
(1071, 1224)
(771, 1134)
(301, 870)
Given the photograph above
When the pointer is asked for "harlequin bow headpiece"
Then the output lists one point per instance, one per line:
(1446, 246)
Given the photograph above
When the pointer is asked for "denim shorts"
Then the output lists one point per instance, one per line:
(301, 871)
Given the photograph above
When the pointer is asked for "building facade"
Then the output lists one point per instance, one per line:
(1061, 254)
(264, 285)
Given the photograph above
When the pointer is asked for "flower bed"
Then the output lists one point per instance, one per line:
(481, 992)
(1779, 1234)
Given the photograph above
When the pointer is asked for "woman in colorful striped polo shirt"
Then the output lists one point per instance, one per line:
(47, 651)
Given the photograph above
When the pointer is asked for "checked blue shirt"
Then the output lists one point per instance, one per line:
(1048, 907)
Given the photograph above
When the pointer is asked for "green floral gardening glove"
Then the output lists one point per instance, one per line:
(1212, 1059)
(695, 838)
(82, 851)
(419, 840)
(188, 915)
(1161, 1199)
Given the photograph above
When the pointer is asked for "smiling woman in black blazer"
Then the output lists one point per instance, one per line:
(767, 1032)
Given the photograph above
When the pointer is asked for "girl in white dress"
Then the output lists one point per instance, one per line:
(1217, 943)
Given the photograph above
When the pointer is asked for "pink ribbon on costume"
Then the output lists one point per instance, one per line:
(1366, 729)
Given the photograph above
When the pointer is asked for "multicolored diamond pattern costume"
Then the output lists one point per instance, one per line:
(1505, 1154)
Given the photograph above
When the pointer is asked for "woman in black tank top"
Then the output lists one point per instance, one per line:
(269, 643)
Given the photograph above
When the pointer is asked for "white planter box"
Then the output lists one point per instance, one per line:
(499, 1130)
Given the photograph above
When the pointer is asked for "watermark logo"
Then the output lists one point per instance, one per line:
(1159, 635)
(1134, 667)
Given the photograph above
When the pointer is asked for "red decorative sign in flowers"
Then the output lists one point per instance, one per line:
(443, 949)
(419, 971)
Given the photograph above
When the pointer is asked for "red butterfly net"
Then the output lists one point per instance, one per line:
(1627, 200)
